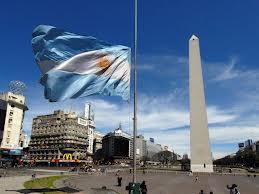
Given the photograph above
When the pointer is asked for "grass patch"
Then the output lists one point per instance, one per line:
(44, 183)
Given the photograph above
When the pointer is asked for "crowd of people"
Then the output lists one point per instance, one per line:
(232, 190)
(143, 186)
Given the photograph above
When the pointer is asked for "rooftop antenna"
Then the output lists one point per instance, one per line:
(17, 87)
(70, 110)
(88, 111)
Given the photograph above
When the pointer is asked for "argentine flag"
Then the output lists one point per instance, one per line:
(76, 66)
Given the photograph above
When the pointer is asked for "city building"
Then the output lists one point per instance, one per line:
(166, 148)
(91, 127)
(152, 148)
(151, 139)
(60, 137)
(185, 157)
(97, 143)
(24, 140)
(12, 110)
(257, 147)
(179, 157)
(141, 147)
(117, 145)
(248, 142)
(241, 146)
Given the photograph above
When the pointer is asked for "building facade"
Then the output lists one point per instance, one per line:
(241, 146)
(141, 147)
(248, 142)
(91, 126)
(256, 144)
(12, 110)
(152, 148)
(185, 157)
(151, 139)
(117, 145)
(97, 143)
(24, 140)
(59, 136)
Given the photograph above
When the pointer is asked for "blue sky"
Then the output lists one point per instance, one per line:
(228, 32)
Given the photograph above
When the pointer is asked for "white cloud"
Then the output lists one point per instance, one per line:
(108, 115)
(145, 67)
(221, 154)
(177, 140)
(233, 134)
(228, 71)
(164, 65)
(215, 115)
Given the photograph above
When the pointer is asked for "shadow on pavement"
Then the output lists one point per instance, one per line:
(102, 191)
(46, 190)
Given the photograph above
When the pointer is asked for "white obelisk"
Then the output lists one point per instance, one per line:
(201, 157)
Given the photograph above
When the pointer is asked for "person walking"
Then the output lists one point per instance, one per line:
(119, 179)
(201, 192)
(143, 187)
(236, 191)
(118, 173)
(233, 189)
(33, 176)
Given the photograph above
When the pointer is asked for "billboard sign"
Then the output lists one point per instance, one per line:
(67, 156)
(82, 121)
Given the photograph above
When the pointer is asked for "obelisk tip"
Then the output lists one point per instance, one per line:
(193, 37)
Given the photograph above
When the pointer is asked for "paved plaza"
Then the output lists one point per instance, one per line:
(166, 183)
(157, 182)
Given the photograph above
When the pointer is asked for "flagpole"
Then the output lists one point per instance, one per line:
(135, 92)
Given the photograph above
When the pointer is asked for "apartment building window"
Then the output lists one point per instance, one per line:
(7, 140)
(8, 133)
(10, 120)
(11, 113)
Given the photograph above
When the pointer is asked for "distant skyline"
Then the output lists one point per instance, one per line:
(228, 33)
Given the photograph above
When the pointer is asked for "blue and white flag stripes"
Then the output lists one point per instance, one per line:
(76, 66)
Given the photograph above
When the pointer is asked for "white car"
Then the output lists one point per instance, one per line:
(124, 165)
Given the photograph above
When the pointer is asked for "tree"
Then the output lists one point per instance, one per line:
(165, 157)
(144, 159)
(246, 157)
(185, 164)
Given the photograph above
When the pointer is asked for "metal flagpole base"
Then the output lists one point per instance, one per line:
(133, 188)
